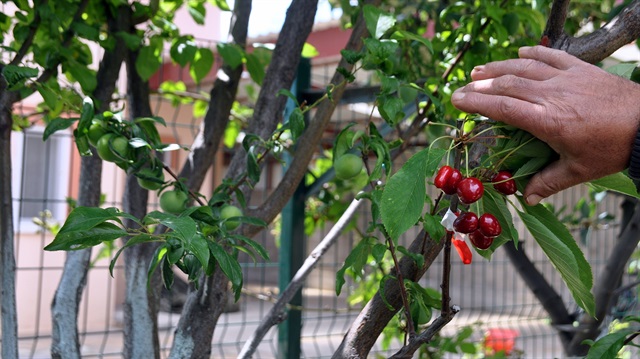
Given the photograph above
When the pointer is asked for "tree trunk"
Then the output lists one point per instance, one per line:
(141, 301)
(375, 316)
(193, 335)
(199, 317)
(8, 264)
(66, 301)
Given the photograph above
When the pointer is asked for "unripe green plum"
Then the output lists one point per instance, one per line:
(173, 201)
(348, 166)
(229, 211)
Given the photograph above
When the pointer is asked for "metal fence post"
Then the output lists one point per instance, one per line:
(292, 241)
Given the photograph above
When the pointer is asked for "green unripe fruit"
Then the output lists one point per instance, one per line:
(348, 166)
(230, 211)
(145, 179)
(96, 131)
(119, 144)
(173, 201)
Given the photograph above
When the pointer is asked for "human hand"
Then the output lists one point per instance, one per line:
(587, 115)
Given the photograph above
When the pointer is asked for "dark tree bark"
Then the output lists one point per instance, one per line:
(594, 47)
(141, 301)
(66, 301)
(8, 264)
(223, 94)
(280, 75)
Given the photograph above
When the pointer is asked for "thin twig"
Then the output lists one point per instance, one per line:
(193, 195)
(403, 289)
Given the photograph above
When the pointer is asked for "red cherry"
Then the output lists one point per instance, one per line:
(479, 240)
(505, 183)
(489, 225)
(466, 222)
(452, 183)
(470, 190)
(444, 173)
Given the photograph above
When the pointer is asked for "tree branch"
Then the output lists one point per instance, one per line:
(373, 318)
(277, 313)
(308, 142)
(407, 351)
(223, 94)
(554, 29)
(33, 29)
(595, 47)
(66, 301)
(280, 75)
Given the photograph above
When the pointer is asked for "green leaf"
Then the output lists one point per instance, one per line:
(87, 115)
(253, 167)
(494, 203)
(56, 125)
(617, 182)
(623, 70)
(296, 123)
(255, 68)
(356, 260)
(433, 227)
(257, 247)
(158, 255)
(85, 218)
(221, 4)
(15, 75)
(197, 11)
(231, 54)
(167, 273)
(404, 195)
(140, 238)
(377, 21)
(198, 245)
(563, 252)
(183, 50)
(148, 62)
(433, 160)
(406, 35)
(608, 346)
(183, 227)
(201, 64)
(351, 56)
(309, 51)
(391, 108)
(81, 239)
(85, 76)
(229, 265)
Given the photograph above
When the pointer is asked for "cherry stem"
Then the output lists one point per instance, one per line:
(446, 266)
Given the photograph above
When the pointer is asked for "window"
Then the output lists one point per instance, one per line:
(40, 176)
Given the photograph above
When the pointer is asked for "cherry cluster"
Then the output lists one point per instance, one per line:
(483, 229)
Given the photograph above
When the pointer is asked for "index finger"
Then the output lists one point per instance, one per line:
(510, 110)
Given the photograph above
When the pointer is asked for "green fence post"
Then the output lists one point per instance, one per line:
(292, 241)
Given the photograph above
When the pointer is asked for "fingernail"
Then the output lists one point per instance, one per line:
(457, 95)
(478, 68)
(533, 199)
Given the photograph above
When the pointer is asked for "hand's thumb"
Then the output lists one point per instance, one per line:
(552, 179)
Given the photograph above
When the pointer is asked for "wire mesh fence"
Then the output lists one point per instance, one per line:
(490, 293)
